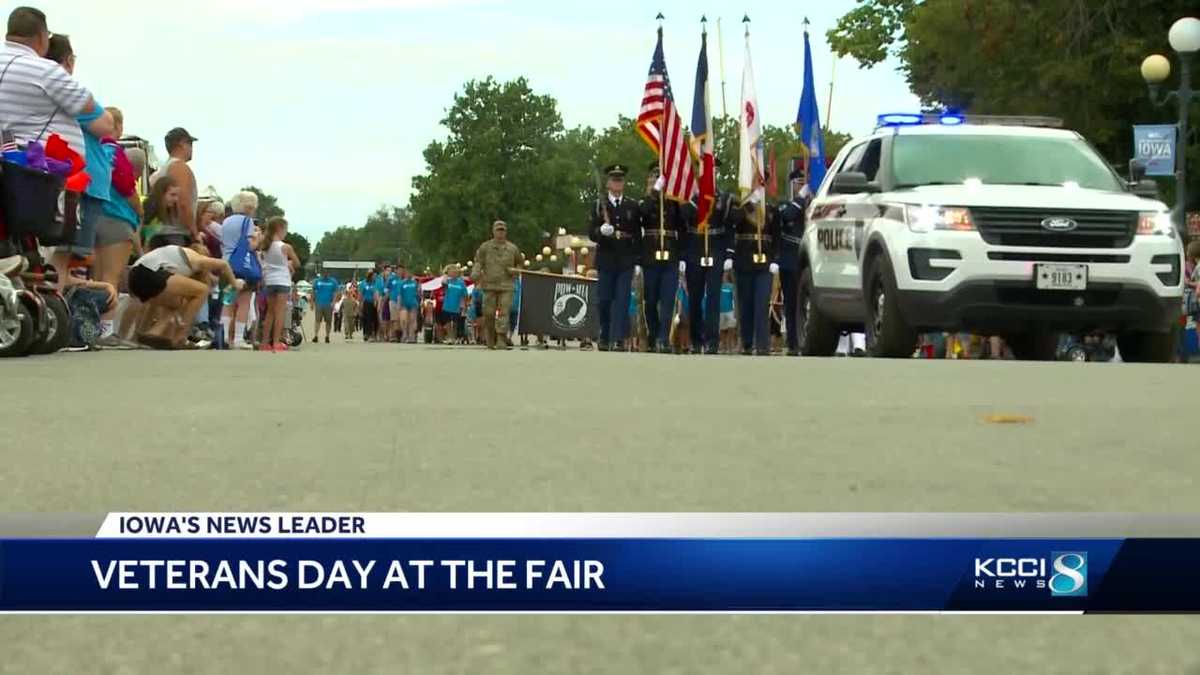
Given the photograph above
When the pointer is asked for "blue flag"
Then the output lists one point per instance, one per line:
(808, 123)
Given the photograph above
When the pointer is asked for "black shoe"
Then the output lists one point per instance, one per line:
(618, 347)
(602, 347)
(712, 351)
(762, 352)
(326, 339)
(664, 348)
(746, 351)
(696, 351)
(858, 353)
(315, 337)
(793, 352)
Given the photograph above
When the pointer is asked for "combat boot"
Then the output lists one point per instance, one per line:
(489, 332)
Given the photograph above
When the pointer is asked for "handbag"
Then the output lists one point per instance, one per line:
(32, 200)
(243, 261)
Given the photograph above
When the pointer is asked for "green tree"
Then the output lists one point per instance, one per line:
(385, 237)
(268, 204)
(300, 243)
(503, 159)
(1073, 59)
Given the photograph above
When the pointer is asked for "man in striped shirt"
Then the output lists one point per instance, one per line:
(37, 97)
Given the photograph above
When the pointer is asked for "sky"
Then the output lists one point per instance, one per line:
(328, 104)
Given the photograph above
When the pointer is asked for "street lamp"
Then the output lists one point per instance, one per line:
(1184, 37)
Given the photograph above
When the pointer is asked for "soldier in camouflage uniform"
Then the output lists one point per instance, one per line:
(495, 274)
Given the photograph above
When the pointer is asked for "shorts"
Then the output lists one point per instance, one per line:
(111, 231)
(446, 317)
(396, 308)
(85, 234)
(325, 314)
(279, 290)
(146, 284)
(409, 308)
(728, 321)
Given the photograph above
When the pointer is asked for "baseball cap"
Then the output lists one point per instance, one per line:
(177, 136)
(500, 225)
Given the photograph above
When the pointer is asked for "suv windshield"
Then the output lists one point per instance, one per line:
(999, 160)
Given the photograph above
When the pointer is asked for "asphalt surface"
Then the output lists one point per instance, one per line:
(355, 427)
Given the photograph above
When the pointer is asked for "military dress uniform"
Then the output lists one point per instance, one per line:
(704, 281)
(615, 227)
(755, 252)
(662, 241)
(791, 233)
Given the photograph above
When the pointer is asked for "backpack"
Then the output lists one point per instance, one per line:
(243, 261)
(86, 305)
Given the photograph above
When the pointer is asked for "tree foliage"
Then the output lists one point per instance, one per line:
(508, 156)
(1074, 59)
(501, 161)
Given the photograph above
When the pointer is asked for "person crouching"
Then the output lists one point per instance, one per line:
(172, 281)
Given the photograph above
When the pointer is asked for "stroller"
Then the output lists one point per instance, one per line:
(294, 333)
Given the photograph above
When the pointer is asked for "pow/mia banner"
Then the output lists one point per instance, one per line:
(558, 306)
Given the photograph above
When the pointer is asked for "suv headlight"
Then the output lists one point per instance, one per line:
(1155, 223)
(929, 218)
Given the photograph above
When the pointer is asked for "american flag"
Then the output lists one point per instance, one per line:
(8, 142)
(662, 129)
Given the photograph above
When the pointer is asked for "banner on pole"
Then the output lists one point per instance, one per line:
(1154, 144)
(558, 306)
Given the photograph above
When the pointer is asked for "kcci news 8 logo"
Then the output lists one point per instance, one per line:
(1064, 574)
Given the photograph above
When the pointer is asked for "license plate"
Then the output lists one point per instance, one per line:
(1061, 277)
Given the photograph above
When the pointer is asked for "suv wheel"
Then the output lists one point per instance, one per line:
(1036, 345)
(888, 334)
(817, 335)
(1147, 347)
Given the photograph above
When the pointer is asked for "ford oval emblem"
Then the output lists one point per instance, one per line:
(1059, 224)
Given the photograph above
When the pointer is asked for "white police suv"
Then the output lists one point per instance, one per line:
(996, 226)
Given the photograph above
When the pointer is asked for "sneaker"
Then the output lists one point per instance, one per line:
(315, 340)
(326, 339)
(114, 342)
(203, 344)
(280, 348)
(13, 264)
(266, 348)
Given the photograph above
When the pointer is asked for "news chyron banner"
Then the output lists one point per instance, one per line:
(598, 563)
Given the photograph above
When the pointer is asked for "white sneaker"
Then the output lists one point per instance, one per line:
(245, 346)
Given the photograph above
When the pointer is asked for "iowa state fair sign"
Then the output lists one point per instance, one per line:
(1154, 144)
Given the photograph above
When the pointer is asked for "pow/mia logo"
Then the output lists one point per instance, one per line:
(570, 306)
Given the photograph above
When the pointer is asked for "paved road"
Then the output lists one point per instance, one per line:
(354, 427)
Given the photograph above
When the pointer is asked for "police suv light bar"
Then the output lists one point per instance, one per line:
(956, 119)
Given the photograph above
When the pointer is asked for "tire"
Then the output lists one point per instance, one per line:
(1036, 345)
(817, 335)
(1077, 354)
(17, 332)
(58, 331)
(888, 335)
(1148, 347)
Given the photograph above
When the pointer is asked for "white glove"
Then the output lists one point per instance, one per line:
(728, 264)
(659, 184)
(637, 269)
(607, 230)
(775, 269)
(682, 266)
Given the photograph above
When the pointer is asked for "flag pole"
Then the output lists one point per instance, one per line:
(662, 126)
(761, 208)
(721, 57)
(829, 107)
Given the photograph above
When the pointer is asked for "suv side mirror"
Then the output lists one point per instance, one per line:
(852, 183)
(1137, 170)
(1145, 187)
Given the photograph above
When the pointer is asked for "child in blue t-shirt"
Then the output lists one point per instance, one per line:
(452, 304)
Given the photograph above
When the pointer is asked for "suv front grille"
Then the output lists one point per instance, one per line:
(1005, 226)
